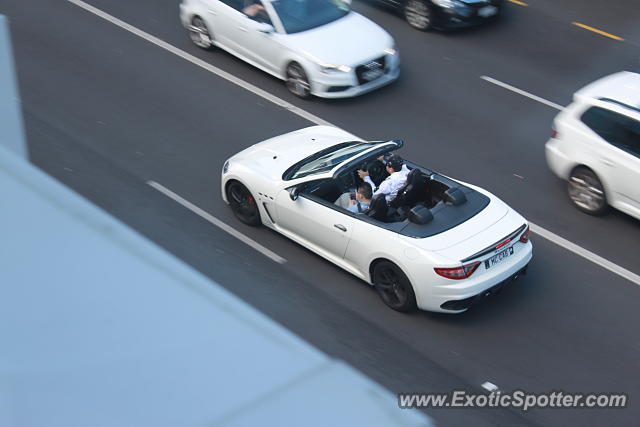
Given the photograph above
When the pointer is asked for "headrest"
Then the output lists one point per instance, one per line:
(420, 215)
(455, 196)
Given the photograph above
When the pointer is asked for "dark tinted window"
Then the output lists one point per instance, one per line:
(236, 4)
(617, 129)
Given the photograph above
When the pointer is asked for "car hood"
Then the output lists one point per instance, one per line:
(358, 39)
(271, 158)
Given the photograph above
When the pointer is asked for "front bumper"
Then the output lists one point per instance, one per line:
(345, 85)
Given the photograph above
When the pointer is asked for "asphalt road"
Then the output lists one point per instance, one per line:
(106, 111)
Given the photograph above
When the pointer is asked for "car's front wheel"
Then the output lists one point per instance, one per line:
(243, 204)
(418, 14)
(586, 191)
(199, 33)
(393, 286)
(297, 81)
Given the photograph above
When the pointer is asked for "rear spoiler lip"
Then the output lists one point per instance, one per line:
(492, 247)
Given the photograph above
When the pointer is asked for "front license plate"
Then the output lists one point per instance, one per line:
(487, 11)
(498, 257)
(370, 75)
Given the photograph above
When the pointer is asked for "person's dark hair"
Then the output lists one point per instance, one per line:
(395, 162)
(365, 191)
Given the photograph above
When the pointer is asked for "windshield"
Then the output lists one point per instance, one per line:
(327, 159)
(303, 15)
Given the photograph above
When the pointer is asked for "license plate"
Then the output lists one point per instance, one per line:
(487, 11)
(498, 257)
(370, 75)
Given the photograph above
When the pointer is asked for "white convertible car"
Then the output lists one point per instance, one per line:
(440, 245)
(318, 47)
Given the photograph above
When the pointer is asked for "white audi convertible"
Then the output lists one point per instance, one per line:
(318, 47)
(440, 244)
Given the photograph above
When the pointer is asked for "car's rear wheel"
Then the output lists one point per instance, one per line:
(393, 286)
(297, 81)
(243, 204)
(586, 191)
(418, 14)
(199, 33)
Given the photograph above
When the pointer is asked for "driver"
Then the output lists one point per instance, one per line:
(397, 178)
(253, 8)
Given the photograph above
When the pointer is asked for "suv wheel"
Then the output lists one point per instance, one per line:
(586, 191)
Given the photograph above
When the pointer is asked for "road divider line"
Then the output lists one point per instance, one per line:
(597, 31)
(522, 92)
(520, 3)
(202, 64)
(552, 237)
(220, 224)
(578, 250)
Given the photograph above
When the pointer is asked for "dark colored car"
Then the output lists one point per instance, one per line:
(426, 14)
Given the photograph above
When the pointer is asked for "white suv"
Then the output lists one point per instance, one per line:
(595, 145)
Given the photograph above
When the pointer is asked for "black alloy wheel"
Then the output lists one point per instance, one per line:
(297, 81)
(418, 14)
(393, 286)
(199, 33)
(243, 204)
(586, 191)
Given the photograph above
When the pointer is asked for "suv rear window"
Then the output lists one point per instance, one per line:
(617, 129)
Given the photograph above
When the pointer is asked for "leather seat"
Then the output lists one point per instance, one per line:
(415, 190)
(378, 209)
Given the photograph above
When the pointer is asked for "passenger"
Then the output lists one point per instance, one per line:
(254, 9)
(397, 178)
(362, 201)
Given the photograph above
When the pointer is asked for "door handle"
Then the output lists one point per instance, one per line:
(243, 29)
(213, 12)
(340, 227)
(607, 161)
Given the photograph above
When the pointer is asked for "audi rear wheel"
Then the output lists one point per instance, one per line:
(199, 33)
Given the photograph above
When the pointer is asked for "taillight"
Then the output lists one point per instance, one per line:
(525, 236)
(457, 273)
(554, 133)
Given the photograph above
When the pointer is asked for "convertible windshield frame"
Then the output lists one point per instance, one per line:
(316, 13)
(293, 172)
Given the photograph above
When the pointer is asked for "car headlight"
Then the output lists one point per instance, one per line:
(448, 4)
(225, 167)
(391, 50)
(328, 68)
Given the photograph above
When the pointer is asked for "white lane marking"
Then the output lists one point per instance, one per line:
(489, 386)
(578, 250)
(202, 64)
(522, 92)
(215, 221)
(554, 238)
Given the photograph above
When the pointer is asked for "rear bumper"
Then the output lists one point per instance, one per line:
(557, 161)
(463, 304)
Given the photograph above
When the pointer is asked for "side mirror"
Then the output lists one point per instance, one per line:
(265, 28)
(294, 193)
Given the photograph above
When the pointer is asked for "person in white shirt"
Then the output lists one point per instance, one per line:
(397, 178)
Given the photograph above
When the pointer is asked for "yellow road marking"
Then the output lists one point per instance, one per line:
(521, 3)
(595, 30)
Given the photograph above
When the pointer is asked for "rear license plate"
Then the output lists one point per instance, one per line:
(487, 11)
(498, 257)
